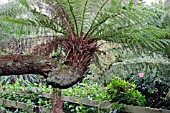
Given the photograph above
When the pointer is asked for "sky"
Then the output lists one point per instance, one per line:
(3, 1)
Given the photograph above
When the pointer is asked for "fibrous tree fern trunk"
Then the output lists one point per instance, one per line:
(78, 48)
(56, 101)
(60, 76)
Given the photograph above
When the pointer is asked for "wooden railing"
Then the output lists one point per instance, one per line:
(94, 103)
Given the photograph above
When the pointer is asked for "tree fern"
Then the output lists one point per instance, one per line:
(76, 27)
(103, 22)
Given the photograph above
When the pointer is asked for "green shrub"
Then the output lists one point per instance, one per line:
(122, 92)
(155, 88)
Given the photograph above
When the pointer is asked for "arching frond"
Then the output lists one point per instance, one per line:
(133, 26)
(13, 9)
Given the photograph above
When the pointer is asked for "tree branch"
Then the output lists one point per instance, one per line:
(58, 75)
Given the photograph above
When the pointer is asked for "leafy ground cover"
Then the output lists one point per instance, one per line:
(81, 90)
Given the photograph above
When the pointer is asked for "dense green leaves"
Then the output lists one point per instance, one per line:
(121, 91)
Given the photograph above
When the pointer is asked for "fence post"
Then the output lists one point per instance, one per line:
(57, 101)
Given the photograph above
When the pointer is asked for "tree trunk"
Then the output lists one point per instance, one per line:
(57, 101)
(58, 75)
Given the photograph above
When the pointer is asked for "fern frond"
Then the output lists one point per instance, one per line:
(133, 26)
(135, 65)
(83, 16)
(96, 16)
(31, 44)
(13, 9)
